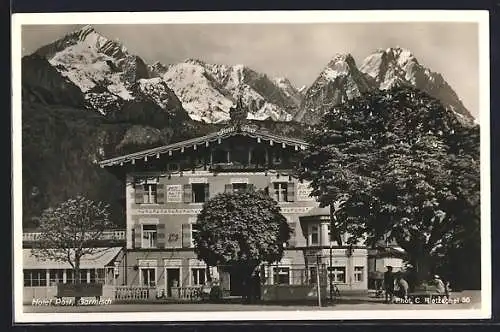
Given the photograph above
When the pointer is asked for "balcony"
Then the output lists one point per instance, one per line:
(234, 166)
(113, 237)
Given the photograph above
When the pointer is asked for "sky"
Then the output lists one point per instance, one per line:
(297, 51)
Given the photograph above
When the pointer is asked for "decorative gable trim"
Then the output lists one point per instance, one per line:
(218, 136)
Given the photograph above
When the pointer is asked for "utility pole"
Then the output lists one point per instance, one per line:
(338, 205)
(329, 272)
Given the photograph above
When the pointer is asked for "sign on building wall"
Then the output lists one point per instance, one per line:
(174, 193)
(303, 192)
(239, 180)
(198, 180)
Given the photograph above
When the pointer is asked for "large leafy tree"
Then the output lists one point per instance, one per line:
(70, 231)
(406, 169)
(238, 231)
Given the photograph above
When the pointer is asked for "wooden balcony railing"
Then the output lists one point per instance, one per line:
(135, 293)
(191, 293)
(142, 293)
(116, 235)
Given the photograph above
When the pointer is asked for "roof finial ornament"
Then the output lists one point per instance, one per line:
(238, 114)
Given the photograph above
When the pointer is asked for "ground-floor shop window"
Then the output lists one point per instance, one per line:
(148, 277)
(97, 276)
(198, 276)
(83, 276)
(313, 275)
(56, 277)
(281, 275)
(358, 273)
(70, 277)
(337, 273)
(35, 278)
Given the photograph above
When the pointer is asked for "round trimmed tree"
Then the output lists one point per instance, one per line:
(238, 231)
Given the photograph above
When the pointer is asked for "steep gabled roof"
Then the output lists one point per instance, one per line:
(206, 141)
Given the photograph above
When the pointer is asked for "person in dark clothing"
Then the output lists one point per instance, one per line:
(389, 284)
(256, 285)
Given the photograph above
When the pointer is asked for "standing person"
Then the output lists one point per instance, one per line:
(402, 286)
(440, 287)
(389, 284)
(256, 285)
(447, 289)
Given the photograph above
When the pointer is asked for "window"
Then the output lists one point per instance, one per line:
(194, 229)
(35, 278)
(313, 235)
(199, 192)
(83, 276)
(313, 275)
(281, 191)
(150, 193)
(238, 187)
(330, 235)
(149, 236)
(337, 273)
(56, 276)
(148, 277)
(69, 277)
(198, 276)
(358, 273)
(27, 278)
(97, 276)
(281, 275)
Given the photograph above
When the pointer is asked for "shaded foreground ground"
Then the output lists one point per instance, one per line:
(463, 300)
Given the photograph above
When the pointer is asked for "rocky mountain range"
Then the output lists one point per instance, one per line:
(109, 76)
(342, 79)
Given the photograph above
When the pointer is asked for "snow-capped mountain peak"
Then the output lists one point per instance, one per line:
(398, 66)
(340, 80)
(104, 70)
(157, 69)
(208, 91)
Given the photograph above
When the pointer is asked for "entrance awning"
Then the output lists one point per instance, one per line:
(317, 214)
(99, 259)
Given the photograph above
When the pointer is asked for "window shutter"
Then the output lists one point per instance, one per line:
(292, 242)
(137, 236)
(139, 193)
(290, 192)
(186, 235)
(207, 192)
(188, 193)
(160, 193)
(228, 188)
(160, 236)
